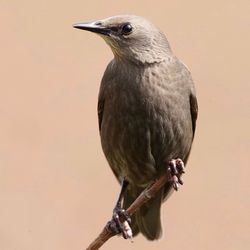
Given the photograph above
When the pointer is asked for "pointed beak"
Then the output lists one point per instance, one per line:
(95, 27)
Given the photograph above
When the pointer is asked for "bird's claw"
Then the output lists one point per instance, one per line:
(175, 170)
(120, 223)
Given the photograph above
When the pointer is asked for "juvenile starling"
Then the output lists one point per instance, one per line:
(147, 112)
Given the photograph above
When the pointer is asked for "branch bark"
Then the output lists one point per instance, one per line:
(146, 195)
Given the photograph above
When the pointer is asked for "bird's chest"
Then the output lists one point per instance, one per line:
(126, 119)
(125, 136)
(139, 129)
(132, 110)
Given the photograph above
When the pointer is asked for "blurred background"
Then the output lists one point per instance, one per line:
(56, 189)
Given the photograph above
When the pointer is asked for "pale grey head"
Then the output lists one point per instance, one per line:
(131, 38)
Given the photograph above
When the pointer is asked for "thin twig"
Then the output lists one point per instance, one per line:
(146, 195)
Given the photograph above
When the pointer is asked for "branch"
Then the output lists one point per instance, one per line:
(146, 195)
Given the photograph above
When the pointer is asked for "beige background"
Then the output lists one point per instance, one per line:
(56, 189)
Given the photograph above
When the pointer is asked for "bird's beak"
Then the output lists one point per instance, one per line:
(95, 27)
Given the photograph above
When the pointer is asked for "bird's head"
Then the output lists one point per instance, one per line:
(131, 38)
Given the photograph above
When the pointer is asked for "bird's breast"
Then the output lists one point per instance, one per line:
(142, 124)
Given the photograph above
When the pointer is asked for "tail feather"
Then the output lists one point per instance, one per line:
(147, 219)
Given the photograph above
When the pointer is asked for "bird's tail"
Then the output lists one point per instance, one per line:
(147, 218)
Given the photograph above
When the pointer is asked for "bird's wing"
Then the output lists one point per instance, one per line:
(100, 108)
(168, 188)
(193, 110)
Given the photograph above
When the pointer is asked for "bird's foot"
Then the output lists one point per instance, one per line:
(175, 170)
(120, 223)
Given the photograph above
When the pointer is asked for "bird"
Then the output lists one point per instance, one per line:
(147, 112)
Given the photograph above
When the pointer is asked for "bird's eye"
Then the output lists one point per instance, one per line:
(127, 29)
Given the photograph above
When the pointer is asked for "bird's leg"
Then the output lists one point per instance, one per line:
(118, 205)
(175, 170)
(116, 225)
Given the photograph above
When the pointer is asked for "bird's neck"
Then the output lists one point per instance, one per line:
(137, 61)
(145, 57)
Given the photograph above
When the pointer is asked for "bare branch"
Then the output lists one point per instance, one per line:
(146, 195)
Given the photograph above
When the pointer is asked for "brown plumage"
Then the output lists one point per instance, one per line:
(147, 111)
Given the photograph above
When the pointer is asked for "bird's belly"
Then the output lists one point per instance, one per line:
(126, 145)
(138, 142)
